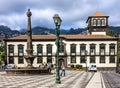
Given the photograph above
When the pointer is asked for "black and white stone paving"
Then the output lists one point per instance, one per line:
(111, 79)
(73, 79)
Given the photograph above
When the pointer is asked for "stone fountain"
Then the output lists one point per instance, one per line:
(29, 57)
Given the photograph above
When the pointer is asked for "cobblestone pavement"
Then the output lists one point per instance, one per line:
(73, 79)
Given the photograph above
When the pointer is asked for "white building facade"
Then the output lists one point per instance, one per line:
(93, 48)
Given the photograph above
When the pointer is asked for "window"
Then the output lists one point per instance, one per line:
(11, 48)
(20, 49)
(39, 59)
(102, 59)
(49, 59)
(49, 48)
(39, 48)
(82, 59)
(112, 59)
(92, 48)
(82, 47)
(92, 59)
(11, 60)
(102, 47)
(94, 22)
(103, 22)
(62, 47)
(20, 60)
(73, 59)
(112, 47)
(73, 48)
(98, 23)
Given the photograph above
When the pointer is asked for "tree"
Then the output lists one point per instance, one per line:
(110, 33)
(2, 53)
(118, 54)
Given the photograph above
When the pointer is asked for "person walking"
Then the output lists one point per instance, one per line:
(49, 67)
(63, 70)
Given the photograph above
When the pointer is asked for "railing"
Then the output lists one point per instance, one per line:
(66, 53)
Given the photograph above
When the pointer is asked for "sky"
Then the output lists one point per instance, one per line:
(73, 13)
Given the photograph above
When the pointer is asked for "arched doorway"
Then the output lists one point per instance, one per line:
(62, 61)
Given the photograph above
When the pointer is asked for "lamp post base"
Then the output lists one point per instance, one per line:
(58, 82)
(58, 78)
(58, 75)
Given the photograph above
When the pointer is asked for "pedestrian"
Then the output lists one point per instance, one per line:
(49, 67)
(63, 70)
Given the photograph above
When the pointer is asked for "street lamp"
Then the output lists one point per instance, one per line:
(57, 21)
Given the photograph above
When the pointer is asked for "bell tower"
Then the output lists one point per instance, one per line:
(97, 24)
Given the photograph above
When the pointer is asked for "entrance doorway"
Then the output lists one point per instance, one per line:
(61, 62)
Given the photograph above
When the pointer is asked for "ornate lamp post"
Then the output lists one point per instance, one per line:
(57, 21)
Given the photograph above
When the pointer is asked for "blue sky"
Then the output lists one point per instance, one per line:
(73, 13)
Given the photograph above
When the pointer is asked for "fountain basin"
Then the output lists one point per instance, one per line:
(26, 71)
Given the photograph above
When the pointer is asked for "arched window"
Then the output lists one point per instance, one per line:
(73, 48)
(20, 53)
(103, 22)
(98, 22)
(82, 47)
(92, 48)
(94, 22)
(11, 48)
(102, 48)
(49, 48)
(112, 47)
(20, 49)
(39, 48)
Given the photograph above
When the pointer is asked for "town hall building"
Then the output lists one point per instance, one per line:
(93, 48)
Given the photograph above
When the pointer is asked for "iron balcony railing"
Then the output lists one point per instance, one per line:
(62, 54)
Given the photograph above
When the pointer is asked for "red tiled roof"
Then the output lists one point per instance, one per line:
(49, 37)
(97, 13)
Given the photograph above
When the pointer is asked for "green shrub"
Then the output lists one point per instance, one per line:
(72, 65)
(79, 66)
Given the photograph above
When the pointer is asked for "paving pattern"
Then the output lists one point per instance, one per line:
(73, 79)
(111, 79)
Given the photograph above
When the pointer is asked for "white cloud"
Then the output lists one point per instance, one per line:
(73, 13)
